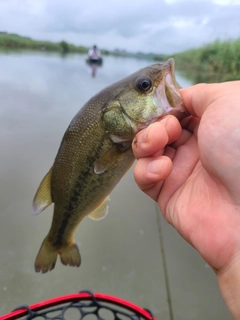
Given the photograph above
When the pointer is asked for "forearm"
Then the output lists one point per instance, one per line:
(229, 283)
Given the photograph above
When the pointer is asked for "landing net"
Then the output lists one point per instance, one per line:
(83, 305)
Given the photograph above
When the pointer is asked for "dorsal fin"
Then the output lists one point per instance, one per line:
(43, 197)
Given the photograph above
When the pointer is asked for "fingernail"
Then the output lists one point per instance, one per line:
(164, 120)
(142, 135)
(154, 166)
(135, 141)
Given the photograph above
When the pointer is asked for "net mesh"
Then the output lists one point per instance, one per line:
(90, 309)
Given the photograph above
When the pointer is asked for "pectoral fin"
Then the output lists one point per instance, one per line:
(43, 197)
(101, 211)
(107, 160)
(110, 157)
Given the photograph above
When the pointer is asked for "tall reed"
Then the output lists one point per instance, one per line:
(215, 62)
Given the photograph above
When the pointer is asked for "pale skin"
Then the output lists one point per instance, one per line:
(192, 171)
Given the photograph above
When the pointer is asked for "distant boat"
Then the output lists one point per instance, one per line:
(97, 61)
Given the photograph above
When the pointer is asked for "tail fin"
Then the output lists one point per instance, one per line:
(47, 256)
(70, 255)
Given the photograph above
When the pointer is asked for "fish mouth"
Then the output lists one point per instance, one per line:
(168, 94)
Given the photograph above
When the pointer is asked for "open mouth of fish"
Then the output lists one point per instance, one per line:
(167, 93)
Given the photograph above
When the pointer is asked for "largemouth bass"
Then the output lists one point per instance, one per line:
(95, 153)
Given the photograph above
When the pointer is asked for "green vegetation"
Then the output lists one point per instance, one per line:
(15, 42)
(10, 41)
(214, 62)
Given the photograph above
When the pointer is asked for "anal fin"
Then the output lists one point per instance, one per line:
(101, 211)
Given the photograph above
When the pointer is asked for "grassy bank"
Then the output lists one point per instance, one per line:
(214, 62)
(15, 42)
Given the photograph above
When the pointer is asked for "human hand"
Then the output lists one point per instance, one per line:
(193, 173)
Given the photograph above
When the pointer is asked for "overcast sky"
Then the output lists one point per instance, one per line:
(156, 26)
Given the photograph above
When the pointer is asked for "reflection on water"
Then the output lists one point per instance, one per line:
(39, 95)
(93, 69)
(94, 65)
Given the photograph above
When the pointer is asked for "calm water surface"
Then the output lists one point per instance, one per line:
(39, 95)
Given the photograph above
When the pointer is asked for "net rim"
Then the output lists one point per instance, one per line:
(73, 297)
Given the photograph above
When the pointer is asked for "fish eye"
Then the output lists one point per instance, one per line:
(143, 84)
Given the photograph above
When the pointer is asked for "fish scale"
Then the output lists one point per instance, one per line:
(95, 153)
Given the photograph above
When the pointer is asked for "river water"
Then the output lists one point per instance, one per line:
(39, 95)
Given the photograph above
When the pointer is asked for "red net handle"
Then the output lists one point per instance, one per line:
(76, 297)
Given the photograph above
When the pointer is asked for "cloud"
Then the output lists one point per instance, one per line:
(157, 26)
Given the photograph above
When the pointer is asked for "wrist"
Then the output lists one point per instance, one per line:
(229, 283)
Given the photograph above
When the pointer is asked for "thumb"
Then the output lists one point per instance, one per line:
(198, 98)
